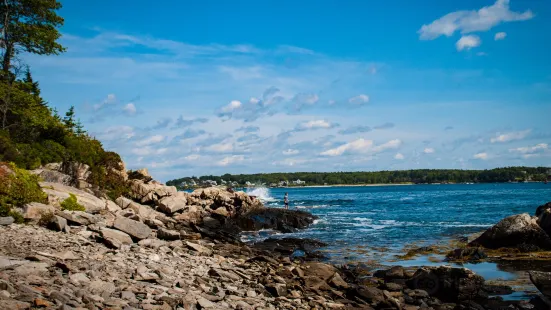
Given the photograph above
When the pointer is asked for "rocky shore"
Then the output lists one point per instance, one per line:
(162, 249)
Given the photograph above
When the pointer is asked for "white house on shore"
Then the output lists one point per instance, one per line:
(299, 182)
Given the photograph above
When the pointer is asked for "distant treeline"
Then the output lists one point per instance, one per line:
(420, 176)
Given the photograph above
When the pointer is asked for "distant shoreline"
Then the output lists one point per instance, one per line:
(349, 185)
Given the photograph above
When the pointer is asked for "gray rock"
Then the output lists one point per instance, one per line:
(199, 248)
(542, 280)
(115, 238)
(5, 295)
(152, 243)
(13, 304)
(57, 193)
(79, 217)
(8, 220)
(130, 296)
(34, 211)
(167, 234)
(515, 231)
(277, 289)
(204, 303)
(172, 204)
(58, 223)
(135, 229)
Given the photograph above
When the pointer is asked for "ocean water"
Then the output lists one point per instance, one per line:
(378, 222)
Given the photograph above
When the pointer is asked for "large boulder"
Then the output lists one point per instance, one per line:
(57, 193)
(542, 280)
(150, 192)
(448, 284)
(67, 173)
(517, 231)
(135, 229)
(544, 220)
(272, 218)
(542, 208)
(79, 217)
(173, 204)
(143, 211)
(115, 238)
(34, 211)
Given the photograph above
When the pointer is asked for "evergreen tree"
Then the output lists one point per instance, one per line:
(69, 119)
(29, 26)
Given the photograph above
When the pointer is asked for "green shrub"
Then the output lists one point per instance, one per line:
(18, 189)
(45, 219)
(18, 218)
(71, 204)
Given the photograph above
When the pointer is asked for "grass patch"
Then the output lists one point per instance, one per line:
(71, 204)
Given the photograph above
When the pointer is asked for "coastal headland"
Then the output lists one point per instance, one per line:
(158, 248)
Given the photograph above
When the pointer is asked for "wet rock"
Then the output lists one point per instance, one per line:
(396, 272)
(135, 229)
(290, 246)
(8, 220)
(542, 280)
(542, 208)
(544, 220)
(273, 218)
(167, 234)
(448, 284)
(512, 232)
(467, 254)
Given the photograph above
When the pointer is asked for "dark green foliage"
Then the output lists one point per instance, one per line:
(29, 26)
(508, 174)
(17, 189)
(71, 204)
(32, 134)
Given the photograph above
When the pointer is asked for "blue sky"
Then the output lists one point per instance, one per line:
(191, 88)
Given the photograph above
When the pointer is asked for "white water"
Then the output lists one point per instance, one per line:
(262, 193)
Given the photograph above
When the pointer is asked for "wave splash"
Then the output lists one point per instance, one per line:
(262, 193)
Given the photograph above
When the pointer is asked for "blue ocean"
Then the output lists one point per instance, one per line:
(376, 222)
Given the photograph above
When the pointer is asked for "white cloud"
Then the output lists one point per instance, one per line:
(360, 99)
(428, 150)
(467, 42)
(482, 156)
(362, 146)
(316, 124)
(530, 149)
(472, 21)
(221, 147)
(129, 109)
(290, 152)
(192, 157)
(151, 140)
(500, 36)
(110, 99)
(399, 156)
(510, 136)
(232, 106)
(231, 160)
(254, 100)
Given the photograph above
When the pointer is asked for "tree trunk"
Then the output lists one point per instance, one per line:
(6, 62)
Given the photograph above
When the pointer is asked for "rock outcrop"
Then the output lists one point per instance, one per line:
(57, 193)
(518, 231)
(542, 280)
